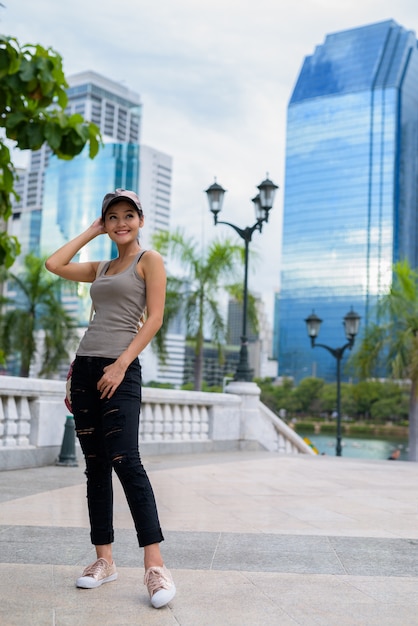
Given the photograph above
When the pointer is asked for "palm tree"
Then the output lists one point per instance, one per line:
(392, 342)
(37, 306)
(196, 294)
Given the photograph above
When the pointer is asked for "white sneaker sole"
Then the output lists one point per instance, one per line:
(87, 582)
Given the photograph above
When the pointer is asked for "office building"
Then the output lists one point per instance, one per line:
(351, 184)
(155, 192)
(155, 187)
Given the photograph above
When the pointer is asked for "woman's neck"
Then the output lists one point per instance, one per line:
(125, 252)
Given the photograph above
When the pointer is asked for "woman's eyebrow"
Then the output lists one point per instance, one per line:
(110, 212)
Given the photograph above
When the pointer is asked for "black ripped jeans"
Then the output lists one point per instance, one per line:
(108, 433)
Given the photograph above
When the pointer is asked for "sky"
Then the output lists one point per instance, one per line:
(215, 79)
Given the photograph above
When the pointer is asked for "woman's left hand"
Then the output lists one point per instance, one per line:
(113, 375)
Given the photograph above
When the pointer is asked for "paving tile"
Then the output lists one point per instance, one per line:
(252, 539)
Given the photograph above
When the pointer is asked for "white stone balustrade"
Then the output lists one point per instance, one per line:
(33, 415)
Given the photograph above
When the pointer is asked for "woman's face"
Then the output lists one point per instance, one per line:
(122, 222)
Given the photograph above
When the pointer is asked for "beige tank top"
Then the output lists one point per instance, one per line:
(119, 302)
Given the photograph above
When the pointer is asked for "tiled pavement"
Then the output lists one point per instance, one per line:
(252, 538)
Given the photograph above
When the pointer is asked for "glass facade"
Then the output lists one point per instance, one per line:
(351, 184)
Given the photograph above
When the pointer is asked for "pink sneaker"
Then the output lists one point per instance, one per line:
(96, 574)
(160, 586)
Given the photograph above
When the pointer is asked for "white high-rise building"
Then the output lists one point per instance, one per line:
(155, 193)
(155, 173)
(114, 108)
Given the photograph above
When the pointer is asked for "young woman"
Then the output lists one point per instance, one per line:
(106, 384)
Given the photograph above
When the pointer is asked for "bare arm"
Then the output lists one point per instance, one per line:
(60, 261)
(151, 268)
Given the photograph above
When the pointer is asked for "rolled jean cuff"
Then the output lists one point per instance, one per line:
(147, 538)
(102, 539)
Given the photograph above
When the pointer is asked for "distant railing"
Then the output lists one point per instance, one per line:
(288, 441)
(169, 417)
(33, 416)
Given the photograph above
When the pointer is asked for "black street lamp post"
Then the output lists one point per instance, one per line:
(351, 326)
(263, 203)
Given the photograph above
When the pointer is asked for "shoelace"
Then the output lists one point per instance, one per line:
(95, 568)
(155, 580)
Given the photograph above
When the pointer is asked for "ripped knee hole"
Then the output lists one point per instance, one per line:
(85, 431)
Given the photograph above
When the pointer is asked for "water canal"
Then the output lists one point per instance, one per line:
(359, 447)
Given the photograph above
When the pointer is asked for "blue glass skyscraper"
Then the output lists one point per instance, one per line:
(351, 186)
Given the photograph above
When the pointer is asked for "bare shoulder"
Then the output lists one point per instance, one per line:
(151, 256)
(150, 262)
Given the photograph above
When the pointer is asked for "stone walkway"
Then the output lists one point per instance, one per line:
(252, 539)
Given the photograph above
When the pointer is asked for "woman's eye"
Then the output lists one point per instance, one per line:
(126, 217)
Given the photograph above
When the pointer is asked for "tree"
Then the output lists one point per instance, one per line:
(196, 294)
(389, 409)
(37, 306)
(393, 341)
(366, 393)
(32, 113)
(380, 399)
(307, 392)
(278, 397)
(328, 399)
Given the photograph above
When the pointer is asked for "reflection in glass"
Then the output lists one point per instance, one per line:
(351, 186)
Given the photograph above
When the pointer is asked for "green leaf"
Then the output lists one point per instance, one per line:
(9, 249)
(14, 119)
(53, 135)
(36, 136)
(7, 179)
(94, 145)
(10, 53)
(4, 153)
